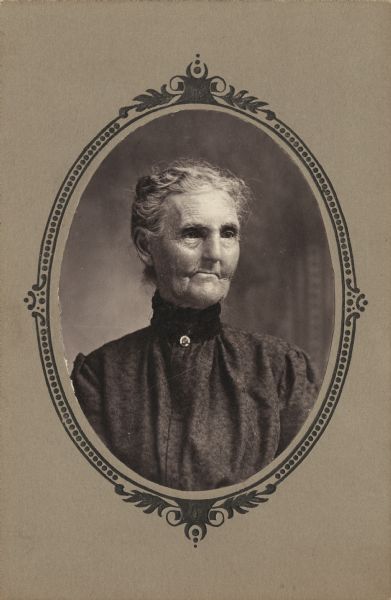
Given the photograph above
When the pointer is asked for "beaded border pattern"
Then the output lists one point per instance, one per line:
(195, 87)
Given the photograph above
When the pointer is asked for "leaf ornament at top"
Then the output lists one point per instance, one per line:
(195, 87)
(152, 98)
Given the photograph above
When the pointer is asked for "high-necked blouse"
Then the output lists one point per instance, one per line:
(192, 403)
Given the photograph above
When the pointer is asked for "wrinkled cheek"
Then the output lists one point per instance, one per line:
(163, 272)
(180, 283)
(231, 270)
(226, 283)
(183, 265)
(232, 263)
(231, 273)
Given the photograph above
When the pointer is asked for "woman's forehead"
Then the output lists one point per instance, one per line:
(209, 208)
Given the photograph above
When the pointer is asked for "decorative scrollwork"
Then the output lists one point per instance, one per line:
(150, 99)
(244, 102)
(242, 503)
(39, 316)
(149, 502)
(37, 296)
(30, 300)
(196, 87)
(38, 287)
(195, 515)
(356, 302)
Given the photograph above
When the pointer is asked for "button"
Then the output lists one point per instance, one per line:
(184, 341)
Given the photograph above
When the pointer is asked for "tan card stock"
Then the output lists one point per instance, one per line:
(296, 99)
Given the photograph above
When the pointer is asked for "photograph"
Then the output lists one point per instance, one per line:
(195, 368)
(196, 297)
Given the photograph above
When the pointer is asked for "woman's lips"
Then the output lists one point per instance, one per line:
(208, 274)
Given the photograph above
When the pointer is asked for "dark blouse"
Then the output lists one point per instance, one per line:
(192, 403)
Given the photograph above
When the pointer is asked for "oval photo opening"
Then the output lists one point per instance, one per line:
(197, 300)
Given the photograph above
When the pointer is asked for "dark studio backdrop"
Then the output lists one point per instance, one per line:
(284, 284)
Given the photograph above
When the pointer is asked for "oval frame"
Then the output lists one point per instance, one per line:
(195, 512)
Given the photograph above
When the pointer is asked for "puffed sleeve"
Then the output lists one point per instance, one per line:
(298, 389)
(88, 390)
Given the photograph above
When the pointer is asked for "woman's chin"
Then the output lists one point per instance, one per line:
(207, 294)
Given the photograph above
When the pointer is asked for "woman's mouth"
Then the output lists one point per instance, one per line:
(208, 273)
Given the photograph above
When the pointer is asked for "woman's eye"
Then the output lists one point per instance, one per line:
(192, 233)
(229, 233)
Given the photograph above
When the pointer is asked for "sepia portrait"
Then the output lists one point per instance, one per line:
(197, 300)
(195, 197)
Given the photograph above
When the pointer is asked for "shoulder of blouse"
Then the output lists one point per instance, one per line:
(113, 350)
(258, 347)
(278, 353)
(269, 344)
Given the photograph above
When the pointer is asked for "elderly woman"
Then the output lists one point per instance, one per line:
(190, 402)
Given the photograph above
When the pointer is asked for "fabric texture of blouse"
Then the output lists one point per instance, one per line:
(192, 403)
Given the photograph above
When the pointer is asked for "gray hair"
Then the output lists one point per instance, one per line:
(186, 177)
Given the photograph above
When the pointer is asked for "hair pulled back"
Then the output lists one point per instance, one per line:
(186, 177)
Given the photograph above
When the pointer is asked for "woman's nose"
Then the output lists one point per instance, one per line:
(212, 248)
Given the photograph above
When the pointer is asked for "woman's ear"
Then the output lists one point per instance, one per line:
(143, 246)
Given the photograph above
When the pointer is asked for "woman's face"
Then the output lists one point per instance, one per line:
(196, 255)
